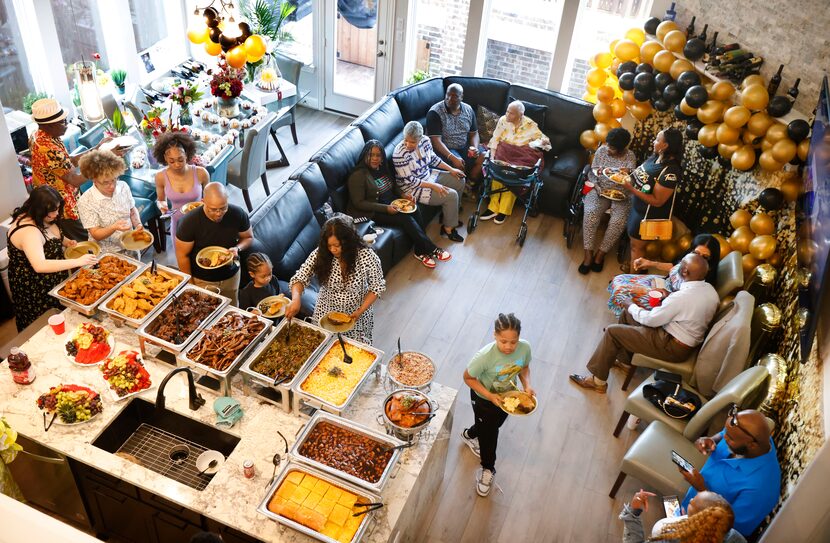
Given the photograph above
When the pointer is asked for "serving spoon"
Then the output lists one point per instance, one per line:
(346, 358)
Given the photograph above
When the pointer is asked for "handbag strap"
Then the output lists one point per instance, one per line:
(673, 195)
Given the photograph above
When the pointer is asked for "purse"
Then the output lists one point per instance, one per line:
(667, 395)
(657, 229)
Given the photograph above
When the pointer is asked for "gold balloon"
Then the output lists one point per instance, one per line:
(744, 158)
(686, 108)
(750, 139)
(589, 140)
(675, 41)
(615, 64)
(648, 50)
(776, 132)
(710, 112)
(626, 50)
(728, 135)
(749, 262)
(708, 135)
(684, 242)
(212, 49)
(601, 130)
(636, 35)
(726, 150)
(602, 112)
(762, 247)
(602, 60)
(652, 249)
(605, 94)
(755, 97)
(670, 251)
(776, 259)
(237, 57)
(596, 77)
(255, 46)
(618, 108)
(803, 149)
(762, 224)
(766, 145)
(784, 150)
(198, 34)
(740, 217)
(722, 90)
(736, 116)
(753, 79)
(740, 238)
(725, 248)
(791, 189)
(640, 110)
(612, 46)
(628, 97)
(759, 123)
(768, 163)
(664, 28)
(614, 123)
(679, 66)
(588, 97)
(663, 61)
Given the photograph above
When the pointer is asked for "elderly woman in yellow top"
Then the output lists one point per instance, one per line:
(517, 131)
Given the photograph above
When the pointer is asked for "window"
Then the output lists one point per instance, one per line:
(440, 35)
(598, 23)
(149, 23)
(300, 26)
(521, 36)
(82, 37)
(15, 81)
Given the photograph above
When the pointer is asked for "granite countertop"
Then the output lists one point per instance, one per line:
(229, 498)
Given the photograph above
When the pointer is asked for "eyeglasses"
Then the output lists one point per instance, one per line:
(732, 417)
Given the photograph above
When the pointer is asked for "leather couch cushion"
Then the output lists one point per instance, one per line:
(382, 122)
(486, 120)
(569, 163)
(415, 100)
(536, 112)
(337, 160)
(313, 183)
(483, 91)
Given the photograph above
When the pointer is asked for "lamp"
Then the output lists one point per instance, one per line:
(91, 106)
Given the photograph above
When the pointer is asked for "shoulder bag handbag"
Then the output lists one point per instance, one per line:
(657, 229)
(667, 394)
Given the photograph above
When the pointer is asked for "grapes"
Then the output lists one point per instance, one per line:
(73, 404)
(71, 348)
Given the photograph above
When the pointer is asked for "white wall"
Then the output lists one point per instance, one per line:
(11, 182)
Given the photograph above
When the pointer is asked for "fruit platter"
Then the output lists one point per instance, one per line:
(125, 374)
(90, 344)
(70, 404)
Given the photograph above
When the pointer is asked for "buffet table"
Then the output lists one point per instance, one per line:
(229, 498)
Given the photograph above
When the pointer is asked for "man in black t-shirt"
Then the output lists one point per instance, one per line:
(214, 223)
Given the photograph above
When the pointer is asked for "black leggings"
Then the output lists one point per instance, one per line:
(406, 222)
(489, 418)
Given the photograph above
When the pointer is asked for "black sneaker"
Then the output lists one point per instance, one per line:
(487, 215)
(452, 235)
(500, 218)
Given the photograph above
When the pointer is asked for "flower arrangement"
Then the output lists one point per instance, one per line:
(227, 81)
(154, 125)
(8, 442)
(187, 96)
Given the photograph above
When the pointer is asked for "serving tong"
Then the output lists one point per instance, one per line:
(371, 506)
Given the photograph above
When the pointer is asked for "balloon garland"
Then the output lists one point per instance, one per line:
(239, 50)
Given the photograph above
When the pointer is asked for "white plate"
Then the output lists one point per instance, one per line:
(110, 340)
(58, 420)
(204, 460)
(266, 302)
(163, 84)
(121, 142)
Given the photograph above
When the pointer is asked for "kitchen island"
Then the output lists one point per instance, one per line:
(229, 499)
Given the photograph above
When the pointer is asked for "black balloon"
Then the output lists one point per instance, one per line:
(661, 105)
(215, 34)
(644, 82)
(210, 14)
(687, 80)
(657, 94)
(643, 67)
(227, 43)
(725, 162)
(626, 67)
(671, 94)
(680, 115)
(662, 79)
(696, 96)
(798, 129)
(651, 25)
(693, 126)
(708, 152)
(771, 199)
(694, 49)
(642, 96)
(245, 28)
(779, 106)
(626, 81)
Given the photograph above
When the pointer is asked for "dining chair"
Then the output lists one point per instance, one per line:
(249, 165)
(290, 70)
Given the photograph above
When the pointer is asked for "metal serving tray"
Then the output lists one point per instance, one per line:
(321, 416)
(305, 398)
(206, 322)
(280, 394)
(90, 309)
(136, 323)
(184, 359)
(292, 466)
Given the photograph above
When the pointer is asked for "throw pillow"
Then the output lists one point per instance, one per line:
(536, 112)
(487, 121)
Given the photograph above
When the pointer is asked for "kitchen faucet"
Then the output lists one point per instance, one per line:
(196, 400)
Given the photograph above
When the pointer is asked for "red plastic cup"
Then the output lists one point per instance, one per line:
(472, 152)
(58, 324)
(655, 298)
(587, 187)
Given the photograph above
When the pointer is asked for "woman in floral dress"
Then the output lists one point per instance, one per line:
(350, 276)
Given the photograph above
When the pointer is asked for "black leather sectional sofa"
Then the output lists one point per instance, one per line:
(287, 225)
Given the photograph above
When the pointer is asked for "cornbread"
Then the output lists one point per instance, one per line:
(334, 385)
(317, 504)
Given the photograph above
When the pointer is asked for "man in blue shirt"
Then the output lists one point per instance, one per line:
(742, 467)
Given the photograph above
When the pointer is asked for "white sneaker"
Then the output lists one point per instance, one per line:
(472, 443)
(484, 482)
(487, 215)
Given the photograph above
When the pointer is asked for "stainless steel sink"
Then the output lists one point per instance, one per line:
(145, 435)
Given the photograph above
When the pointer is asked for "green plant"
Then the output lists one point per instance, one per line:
(76, 96)
(118, 77)
(117, 123)
(266, 17)
(418, 76)
(31, 98)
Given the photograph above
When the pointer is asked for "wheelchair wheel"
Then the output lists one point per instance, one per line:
(472, 222)
(520, 239)
(570, 232)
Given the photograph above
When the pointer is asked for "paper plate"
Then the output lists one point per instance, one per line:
(130, 244)
(332, 327)
(404, 206)
(265, 303)
(121, 142)
(80, 249)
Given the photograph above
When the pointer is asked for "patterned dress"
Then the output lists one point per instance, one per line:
(347, 296)
(29, 288)
(636, 287)
(50, 162)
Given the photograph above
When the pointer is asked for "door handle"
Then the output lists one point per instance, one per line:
(380, 53)
(381, 42)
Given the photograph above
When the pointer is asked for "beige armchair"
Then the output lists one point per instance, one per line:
(649, 458)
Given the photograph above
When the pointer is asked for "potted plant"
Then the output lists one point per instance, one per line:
(266, 19)
(31, 98)
(418, 76)
(119, 78)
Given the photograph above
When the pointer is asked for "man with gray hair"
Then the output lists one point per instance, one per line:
(453, 131)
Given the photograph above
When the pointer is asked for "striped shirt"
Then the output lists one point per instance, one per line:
(412, 168)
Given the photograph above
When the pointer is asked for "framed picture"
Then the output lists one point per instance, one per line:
(149, 67)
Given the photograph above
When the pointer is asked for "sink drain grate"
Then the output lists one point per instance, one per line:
(151, 446)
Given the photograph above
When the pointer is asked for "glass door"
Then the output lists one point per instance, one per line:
(357, 63)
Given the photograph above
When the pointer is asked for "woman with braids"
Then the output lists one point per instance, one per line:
(350, 276)
(179, 182)
(491, 372)
(652, 187)
(708, 520)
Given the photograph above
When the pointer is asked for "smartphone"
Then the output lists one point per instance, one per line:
(672, 506)
(682, 462)
(658, 283)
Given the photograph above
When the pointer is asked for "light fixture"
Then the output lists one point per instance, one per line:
(85, 81)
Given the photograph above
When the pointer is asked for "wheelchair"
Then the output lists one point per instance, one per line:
(575, 212)
(523, 181)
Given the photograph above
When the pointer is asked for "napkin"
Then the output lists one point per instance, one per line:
(228, 411)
